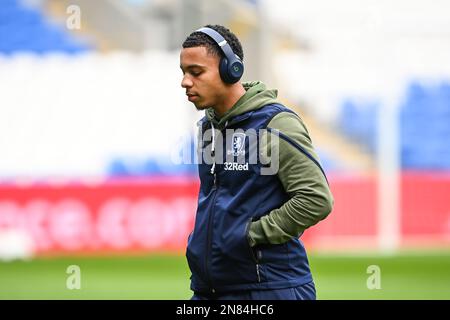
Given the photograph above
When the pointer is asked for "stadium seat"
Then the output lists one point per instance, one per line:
(424, 126)
(26, 29)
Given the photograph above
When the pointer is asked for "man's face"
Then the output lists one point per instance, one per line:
(201, 77)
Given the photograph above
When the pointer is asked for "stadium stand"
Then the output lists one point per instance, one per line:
(23, 28)
(75, 116)
(362, 128)
(424, 126)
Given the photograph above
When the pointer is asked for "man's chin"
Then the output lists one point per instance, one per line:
(200, 107)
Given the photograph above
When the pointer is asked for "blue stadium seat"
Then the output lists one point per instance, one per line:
(152, 166)
(424, 126)
(359, 122)
(26, 29)
(328, 162)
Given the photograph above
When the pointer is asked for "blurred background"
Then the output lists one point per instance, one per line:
(93, 121)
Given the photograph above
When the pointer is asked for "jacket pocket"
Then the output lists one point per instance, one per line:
(255, 253)
(233, 261)
(194, 256)
(272, 253)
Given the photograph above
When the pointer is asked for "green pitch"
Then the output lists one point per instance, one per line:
(418, 275)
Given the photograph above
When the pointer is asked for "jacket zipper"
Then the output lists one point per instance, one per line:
(257, 272)
(209, 237)
(255, 259)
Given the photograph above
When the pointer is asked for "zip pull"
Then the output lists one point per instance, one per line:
(257, 272)
(258, 255)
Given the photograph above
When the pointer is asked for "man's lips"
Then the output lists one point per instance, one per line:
(191, 96)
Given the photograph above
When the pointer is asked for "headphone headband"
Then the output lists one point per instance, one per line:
(221, 42)
(231, 67)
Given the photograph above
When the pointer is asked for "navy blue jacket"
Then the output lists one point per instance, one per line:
(218, 252)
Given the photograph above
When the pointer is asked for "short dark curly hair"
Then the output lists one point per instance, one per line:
(199, 39)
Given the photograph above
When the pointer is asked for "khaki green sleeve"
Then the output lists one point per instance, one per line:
(310, 197)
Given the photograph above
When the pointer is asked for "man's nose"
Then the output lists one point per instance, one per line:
(186, 82)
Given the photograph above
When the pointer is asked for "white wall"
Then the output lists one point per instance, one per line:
(361, 48)
(69, 115)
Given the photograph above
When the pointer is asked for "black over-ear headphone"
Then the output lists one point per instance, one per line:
(231, 67)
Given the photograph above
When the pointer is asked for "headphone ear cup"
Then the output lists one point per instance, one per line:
(223, 70)
(235, 70)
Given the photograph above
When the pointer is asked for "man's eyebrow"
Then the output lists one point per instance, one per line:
(191, 66)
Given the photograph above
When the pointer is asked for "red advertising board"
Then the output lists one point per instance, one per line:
(114, 216)
(157, 214)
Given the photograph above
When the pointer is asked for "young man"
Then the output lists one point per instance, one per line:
(256, 197)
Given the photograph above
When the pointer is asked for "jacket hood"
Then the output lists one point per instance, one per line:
(256, 96)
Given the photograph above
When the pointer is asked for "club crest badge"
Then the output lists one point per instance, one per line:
(238, 148)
